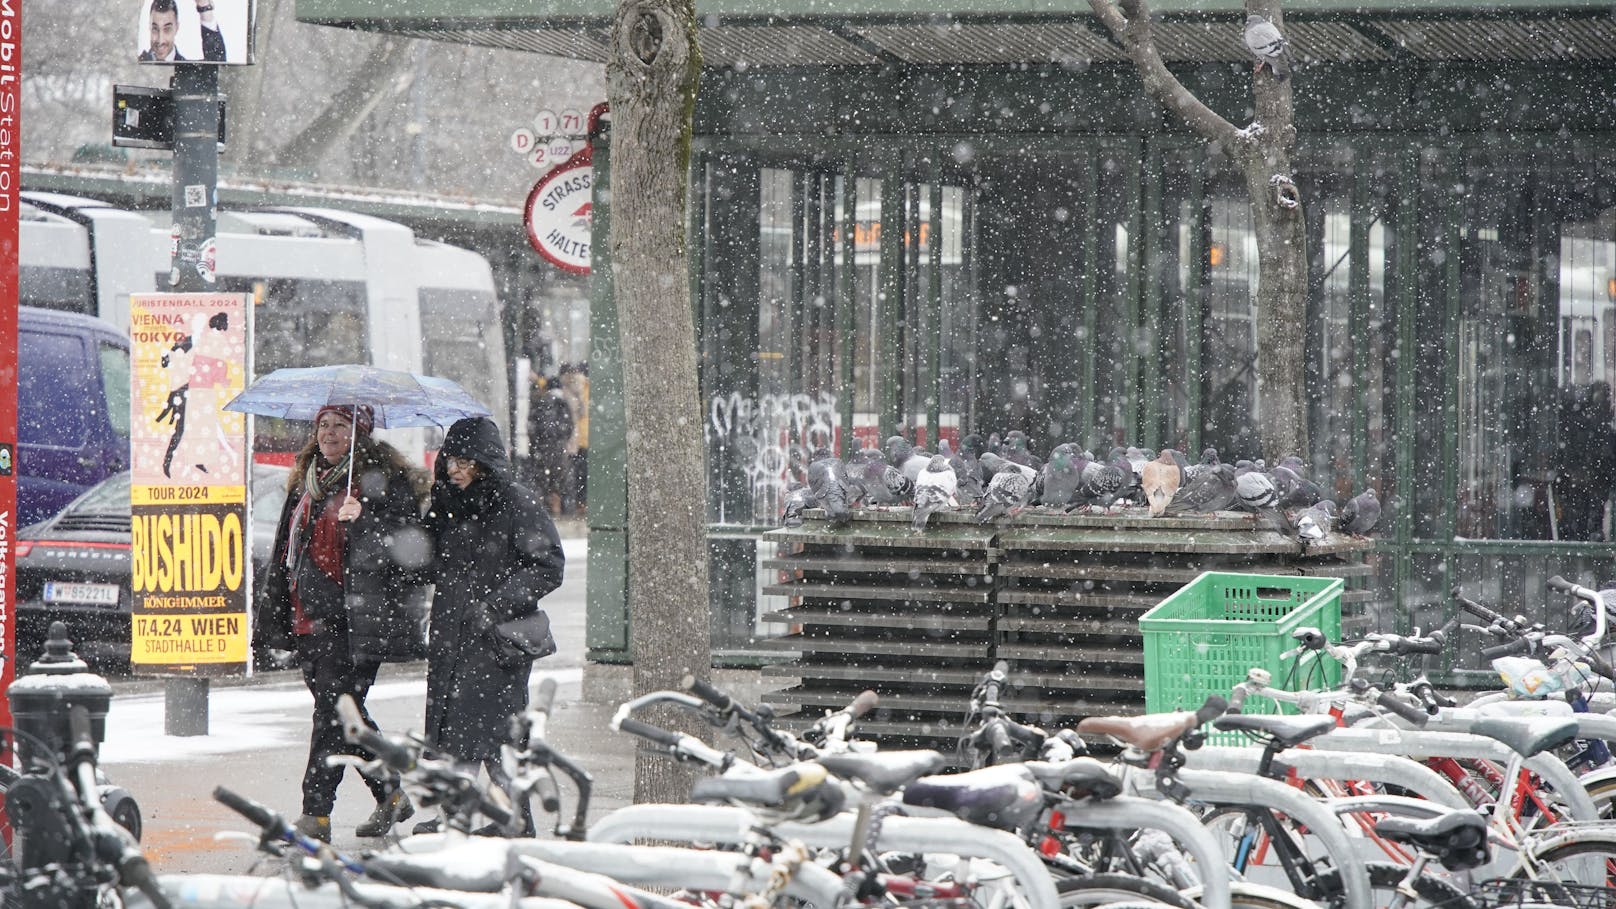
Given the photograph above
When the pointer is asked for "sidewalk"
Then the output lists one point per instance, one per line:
(258, 742)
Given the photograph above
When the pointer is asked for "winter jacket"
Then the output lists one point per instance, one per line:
(497, 553)
(385, 552)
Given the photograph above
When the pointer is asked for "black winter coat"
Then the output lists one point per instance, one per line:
(384, 603)
(497, 553)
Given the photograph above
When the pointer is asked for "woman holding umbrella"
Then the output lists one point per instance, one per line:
(497, 553)
(347, 545)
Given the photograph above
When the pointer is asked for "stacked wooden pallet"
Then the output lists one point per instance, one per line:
(919, 617)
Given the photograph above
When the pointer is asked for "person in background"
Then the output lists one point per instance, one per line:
(1585, 467)
(347, 546)
(497, 554)
(575, 385)
(550, 432)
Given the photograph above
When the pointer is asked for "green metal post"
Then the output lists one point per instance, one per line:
(1131, 296)
(1194, 303)
(1358, 295)
(1090, 289)
(1150, 284)
(606, 633)
(934, 316)
(890, 304)
(1408, 241)
(847, 306)
(1453, 227)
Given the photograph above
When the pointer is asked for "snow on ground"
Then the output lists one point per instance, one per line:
(241, 719)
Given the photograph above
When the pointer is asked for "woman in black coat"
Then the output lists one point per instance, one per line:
(336, 593)
(497, 553)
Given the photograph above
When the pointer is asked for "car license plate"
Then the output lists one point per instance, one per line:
(90, 594)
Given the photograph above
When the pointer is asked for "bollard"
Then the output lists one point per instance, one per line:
(40, 700)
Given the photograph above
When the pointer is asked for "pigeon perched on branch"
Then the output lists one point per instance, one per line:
(1266, 43)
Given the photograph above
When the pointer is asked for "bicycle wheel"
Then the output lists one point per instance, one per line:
(1586, 857)
(1601, 789)
(1101, 889)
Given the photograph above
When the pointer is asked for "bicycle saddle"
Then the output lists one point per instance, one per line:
(1078, 778)
(884, 771)
(1006, 797)
(1151, 732)
(1527, 736)
(1458, 838)
(768, 791)
(1286, 731)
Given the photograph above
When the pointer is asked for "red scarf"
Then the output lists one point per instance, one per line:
(327, 543)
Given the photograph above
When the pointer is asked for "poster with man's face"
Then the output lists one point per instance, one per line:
(195, 31)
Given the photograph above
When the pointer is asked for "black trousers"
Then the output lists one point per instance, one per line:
(329, 672)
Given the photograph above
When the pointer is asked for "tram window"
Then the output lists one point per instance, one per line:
(65, 289)
(300, 323)
(463, 341)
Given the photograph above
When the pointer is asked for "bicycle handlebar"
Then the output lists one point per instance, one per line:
(1402, 708)
(654, 734)
(1508, 648)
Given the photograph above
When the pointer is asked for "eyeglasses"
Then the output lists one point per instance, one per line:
(454, 463)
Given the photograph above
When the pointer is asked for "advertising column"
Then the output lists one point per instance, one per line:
(188, 497)
(10, 236)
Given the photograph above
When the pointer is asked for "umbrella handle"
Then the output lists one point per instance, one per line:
(353, 434)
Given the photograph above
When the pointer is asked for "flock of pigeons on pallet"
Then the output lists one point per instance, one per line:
(1000, 479)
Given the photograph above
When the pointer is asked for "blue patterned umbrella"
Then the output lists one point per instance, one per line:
(397, 398)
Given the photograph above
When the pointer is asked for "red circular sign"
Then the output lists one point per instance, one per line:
(557, 213)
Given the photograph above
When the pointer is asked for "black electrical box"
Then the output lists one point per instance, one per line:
(143, 117)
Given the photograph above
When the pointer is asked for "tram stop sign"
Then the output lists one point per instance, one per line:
(557, 213)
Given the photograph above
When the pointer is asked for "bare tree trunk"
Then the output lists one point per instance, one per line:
(651, 84)
(1263, 152)
(1281, 229)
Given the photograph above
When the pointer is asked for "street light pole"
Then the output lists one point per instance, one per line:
(196, 176)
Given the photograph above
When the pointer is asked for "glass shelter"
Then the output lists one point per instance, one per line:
(940, 222)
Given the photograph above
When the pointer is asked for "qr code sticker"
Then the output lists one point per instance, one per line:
(196, 195)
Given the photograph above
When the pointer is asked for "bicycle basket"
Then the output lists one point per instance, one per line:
(1524, 894)
(1203, 639)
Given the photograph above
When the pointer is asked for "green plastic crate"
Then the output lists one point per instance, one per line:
(1202, 640)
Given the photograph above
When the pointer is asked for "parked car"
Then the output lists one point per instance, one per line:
(72, 408)
(75, 567)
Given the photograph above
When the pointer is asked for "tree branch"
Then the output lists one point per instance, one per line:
(1131, 27)
(346, 112)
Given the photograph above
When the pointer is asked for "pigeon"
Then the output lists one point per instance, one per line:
(831, 489)
(934, 490)
(966, 471)
(1017, 450)
(1268, 46)
(1314, 524)
(798, 499)
(1212, 491)
(1063, 476)
(1360, 514)
(882, 484)
(1103, 488)
(1160, 479)
(1254, 491)
(1209, 459)
(1009, 491)
(1295, 490)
